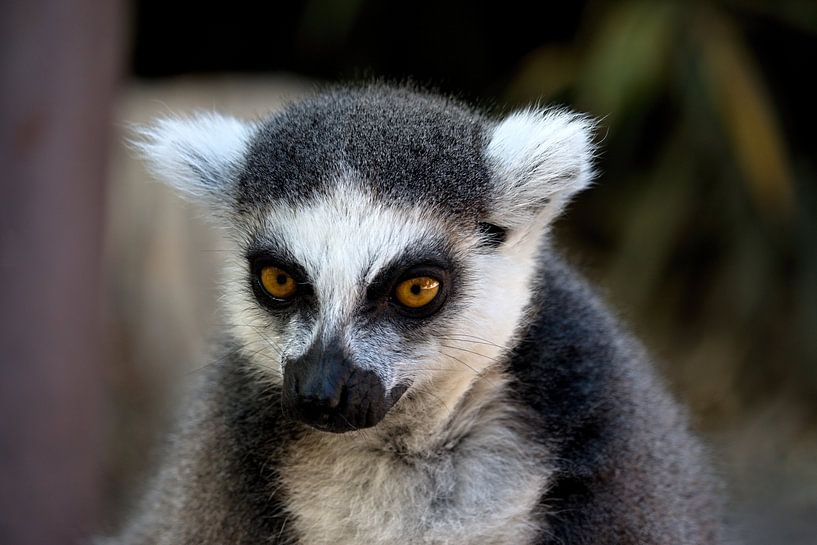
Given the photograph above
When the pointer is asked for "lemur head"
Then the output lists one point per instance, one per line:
(384, 240)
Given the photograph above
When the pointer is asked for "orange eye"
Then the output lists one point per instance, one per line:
(278, 283)
(417, 292)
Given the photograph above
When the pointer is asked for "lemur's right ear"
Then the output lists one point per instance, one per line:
(539, 159)
(199, 156)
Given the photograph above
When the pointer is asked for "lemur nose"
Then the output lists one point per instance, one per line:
(326, 390)
(323, 394)
(319, 376)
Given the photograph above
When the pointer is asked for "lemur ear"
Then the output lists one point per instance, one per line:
(199, 156)
(540, 159)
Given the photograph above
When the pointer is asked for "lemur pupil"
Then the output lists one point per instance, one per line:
(415, 289)
(281, 279)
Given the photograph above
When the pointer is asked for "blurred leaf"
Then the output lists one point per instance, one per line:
(806, 276)
(652, 226)
(543, 74)
(747, 113)
(627, 58)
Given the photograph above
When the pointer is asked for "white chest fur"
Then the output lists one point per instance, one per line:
(475, 480)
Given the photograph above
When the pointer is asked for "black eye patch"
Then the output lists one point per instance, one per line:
(492, 235)
(260, 257)
(433, 259)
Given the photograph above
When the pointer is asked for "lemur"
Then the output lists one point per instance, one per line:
(407, 359)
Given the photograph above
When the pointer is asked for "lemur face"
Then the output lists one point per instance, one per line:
(353, 301)
(384, 240)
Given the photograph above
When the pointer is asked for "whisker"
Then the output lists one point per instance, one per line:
(422, 389)
(471, 352)
(455, 358)
(479, 340)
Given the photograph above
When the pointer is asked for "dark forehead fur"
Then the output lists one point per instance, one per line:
(402, 145)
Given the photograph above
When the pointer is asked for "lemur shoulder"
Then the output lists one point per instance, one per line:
(408, 359)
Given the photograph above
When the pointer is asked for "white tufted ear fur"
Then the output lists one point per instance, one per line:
(541, 158)
(198, 156)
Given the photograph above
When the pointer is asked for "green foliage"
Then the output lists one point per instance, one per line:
(703, 226)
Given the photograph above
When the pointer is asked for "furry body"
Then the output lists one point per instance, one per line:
(528, 416)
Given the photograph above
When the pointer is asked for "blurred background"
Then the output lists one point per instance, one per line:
(701, 231)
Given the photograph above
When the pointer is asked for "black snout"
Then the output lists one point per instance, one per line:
(325, 389)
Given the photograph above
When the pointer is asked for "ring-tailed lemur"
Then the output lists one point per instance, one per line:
(408, 361)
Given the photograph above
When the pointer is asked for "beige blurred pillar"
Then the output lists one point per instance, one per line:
(59, 63)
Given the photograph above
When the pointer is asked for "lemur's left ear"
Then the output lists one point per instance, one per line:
(199, 156)
(540, 159)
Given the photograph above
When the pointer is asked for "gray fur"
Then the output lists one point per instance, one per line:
(530, 416)
(403, 145)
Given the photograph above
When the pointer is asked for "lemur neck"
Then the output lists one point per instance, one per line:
(433, 418)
